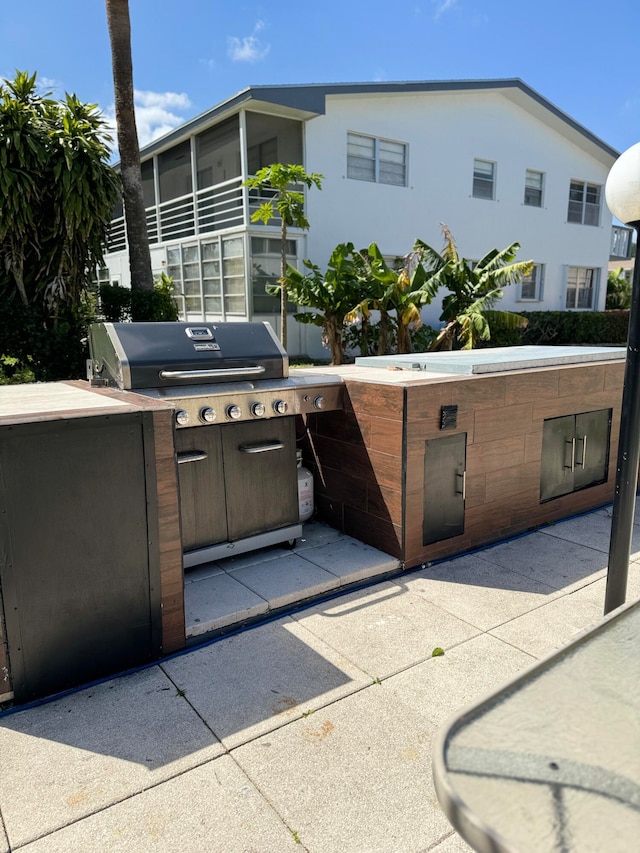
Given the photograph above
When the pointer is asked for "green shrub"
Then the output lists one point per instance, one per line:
(36, 347)
(120, 304)
(576, 327)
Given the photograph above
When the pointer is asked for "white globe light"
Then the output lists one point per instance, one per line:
(622, 189)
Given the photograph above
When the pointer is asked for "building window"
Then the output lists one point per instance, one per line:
(265, 270)
(533, 184)
(531, 285)
(379, 160)
(484, 179)
(584, 203)
(581, 286)
(621, 239)
(208, 278)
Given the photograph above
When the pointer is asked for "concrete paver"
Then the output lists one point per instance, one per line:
(212, 808)
(353, 776)
(386, 629)
(312, 731)
(256, 681)
(443, 685)
(479, 592)
(66, 759)
(283, 581)
(544, 558)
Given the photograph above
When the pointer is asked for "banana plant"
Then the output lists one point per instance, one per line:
(332, 294)
(474, 288)
(404, 291)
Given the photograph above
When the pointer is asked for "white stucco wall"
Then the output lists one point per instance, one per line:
(444, 133)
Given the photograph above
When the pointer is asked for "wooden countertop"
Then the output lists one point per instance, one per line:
(48, 401)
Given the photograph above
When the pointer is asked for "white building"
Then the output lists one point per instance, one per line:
(492, 159)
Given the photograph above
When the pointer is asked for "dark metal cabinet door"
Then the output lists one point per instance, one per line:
(203, 509)
(444, 479)
(557, 464)
(260, 476)
(74, 566)
(592, 448)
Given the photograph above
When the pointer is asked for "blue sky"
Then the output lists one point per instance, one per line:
(189, 55)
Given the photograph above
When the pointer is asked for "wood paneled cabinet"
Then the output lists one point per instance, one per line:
(444, 487)
(575, 452)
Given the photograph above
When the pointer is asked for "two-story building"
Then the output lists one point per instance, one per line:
(492, 159)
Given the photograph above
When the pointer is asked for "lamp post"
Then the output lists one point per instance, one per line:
(622, 192)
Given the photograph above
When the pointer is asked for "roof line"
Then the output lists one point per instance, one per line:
(311, 98)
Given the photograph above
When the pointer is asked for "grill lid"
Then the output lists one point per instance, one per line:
(154, 355)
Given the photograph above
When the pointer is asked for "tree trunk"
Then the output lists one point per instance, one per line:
(283, 285)
(404, 338)
(332, 336)
(135, 217)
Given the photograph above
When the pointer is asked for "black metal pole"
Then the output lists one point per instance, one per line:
(624, 499)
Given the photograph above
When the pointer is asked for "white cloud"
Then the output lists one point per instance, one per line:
(249, 48)
(157, 113)
(443, 6)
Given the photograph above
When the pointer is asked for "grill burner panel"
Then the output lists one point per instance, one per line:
(207, 404)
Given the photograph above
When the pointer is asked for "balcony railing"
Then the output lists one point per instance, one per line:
(224, 206)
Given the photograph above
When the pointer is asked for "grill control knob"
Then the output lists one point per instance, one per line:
(319, 402)
(257, 409)
(280, 407)
(207, 415)
(182, 417)
(234, 412)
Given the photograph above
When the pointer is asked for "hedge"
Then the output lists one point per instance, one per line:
(556, 328)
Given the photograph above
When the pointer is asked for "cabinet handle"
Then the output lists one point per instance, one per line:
(261, 448)
(464, 485)
(582, 462)
(571, 441)
(191, 456)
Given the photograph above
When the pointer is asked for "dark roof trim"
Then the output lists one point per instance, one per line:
(311, 99)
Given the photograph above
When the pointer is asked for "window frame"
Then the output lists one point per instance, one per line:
(595, 281)
(477, 177)
(377, 161)
(538, 282)
(586, 206)
(528, 188)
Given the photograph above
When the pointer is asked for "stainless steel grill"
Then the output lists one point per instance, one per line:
(238, 480)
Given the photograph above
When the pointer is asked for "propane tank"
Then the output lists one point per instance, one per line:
(305, 489)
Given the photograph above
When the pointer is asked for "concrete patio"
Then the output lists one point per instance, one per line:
(309, 731)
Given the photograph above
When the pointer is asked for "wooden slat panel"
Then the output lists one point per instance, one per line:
(581, 380)
(495, 455)
(503, 421)
(534, 385)
(171, 573)
(379, 534)
(368, 398)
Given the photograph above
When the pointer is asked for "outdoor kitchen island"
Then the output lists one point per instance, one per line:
(435, 454)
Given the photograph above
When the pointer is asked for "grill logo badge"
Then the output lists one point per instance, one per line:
(206, 347)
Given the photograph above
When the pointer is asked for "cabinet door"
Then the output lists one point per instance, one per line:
(557, 464)
(74, 560)
(260, 476)
(203, 510)
(592, 448)
(444, 478)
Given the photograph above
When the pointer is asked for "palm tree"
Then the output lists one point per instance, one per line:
(280, 180)
(474, 288)
(134, 211)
